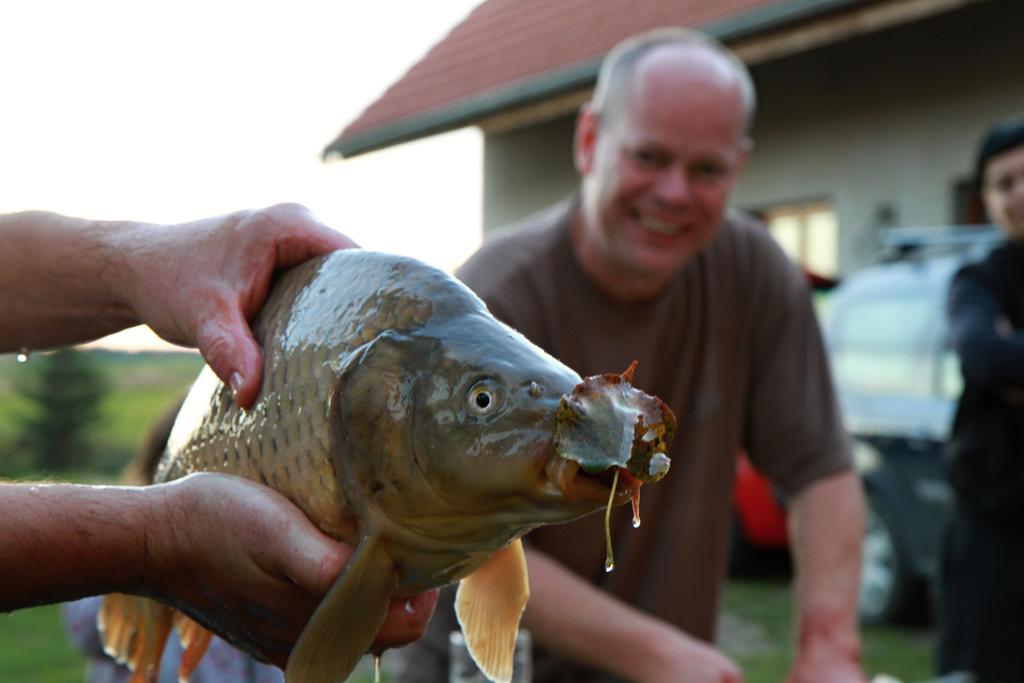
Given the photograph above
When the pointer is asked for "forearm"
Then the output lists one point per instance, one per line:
(64, 541)
(62, 280)
(585, 624)
(827, 530)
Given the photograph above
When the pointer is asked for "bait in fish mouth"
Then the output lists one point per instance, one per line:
(606, 425)
(408, 422)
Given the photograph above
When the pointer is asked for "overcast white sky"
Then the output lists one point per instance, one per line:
(173, 111)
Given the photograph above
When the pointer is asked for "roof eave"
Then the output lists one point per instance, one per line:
(467, 111)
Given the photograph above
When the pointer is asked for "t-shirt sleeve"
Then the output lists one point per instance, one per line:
(794, 432)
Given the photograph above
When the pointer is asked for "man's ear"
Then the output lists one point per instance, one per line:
(746, 147)
(585, 139)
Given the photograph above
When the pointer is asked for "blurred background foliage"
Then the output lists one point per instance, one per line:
(79, 415)
(61, 395)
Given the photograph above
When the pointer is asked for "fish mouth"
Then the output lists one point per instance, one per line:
(610, 437)
(578, 485)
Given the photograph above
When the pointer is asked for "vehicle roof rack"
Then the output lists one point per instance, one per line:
(895, 244)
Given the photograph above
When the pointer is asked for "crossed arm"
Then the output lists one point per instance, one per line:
(990, 350)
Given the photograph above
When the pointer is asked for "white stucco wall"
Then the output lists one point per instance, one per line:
(526, 170)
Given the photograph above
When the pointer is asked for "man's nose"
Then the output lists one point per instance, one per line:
(674, 185)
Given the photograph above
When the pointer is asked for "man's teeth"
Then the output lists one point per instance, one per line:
(662, 227)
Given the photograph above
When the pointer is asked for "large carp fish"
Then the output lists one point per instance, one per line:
(406, 421)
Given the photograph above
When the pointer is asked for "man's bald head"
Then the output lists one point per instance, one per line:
(615, 80)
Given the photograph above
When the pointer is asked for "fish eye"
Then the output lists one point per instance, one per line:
(483, 398)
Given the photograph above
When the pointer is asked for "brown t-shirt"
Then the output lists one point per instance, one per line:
(732, 344)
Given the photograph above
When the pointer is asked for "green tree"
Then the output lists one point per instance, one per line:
(64, 390)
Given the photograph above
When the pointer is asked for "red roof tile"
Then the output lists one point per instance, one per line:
(504, 44)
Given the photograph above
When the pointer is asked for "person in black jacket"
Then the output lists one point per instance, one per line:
(982, 574)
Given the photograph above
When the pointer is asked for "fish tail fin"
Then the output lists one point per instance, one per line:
(347, 620)
(134, 632)
(194, 640)
(489, 604)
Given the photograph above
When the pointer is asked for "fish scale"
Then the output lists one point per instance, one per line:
(302, 353)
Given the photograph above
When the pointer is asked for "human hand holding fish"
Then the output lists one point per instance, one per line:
(235, 555)
(242, 560)
(198, 284)
(66, 280)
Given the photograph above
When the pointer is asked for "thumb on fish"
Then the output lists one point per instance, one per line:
(234, 356)
(314, 562)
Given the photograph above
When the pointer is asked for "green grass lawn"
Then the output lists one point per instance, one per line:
(757, 632)
(33, 648)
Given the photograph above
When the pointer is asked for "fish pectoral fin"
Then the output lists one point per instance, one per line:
(489, 604)
(195, 640)
(134, 631)
(346, 622)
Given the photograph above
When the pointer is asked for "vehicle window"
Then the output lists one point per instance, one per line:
(881, 346)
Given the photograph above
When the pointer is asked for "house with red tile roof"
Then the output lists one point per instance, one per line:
(869, 111)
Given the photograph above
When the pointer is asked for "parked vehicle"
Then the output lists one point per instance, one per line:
(898, 383)
(758, 521)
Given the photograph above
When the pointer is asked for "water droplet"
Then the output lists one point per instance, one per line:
(609, 555)
(23, 355)
(636, 508)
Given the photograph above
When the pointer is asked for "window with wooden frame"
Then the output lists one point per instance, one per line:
(808, 232)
